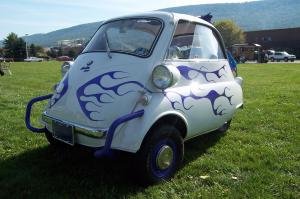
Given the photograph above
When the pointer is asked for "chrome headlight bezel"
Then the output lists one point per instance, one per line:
(162, 77)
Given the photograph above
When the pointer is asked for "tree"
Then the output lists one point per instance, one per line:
(36, 51)
(32, 50)
(39, 49)
(15, 47)
(59, 52)
(71, 53)
(54, 52)
(1, 52)
(231, 33)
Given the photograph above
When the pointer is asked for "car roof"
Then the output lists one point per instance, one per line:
(166, 16)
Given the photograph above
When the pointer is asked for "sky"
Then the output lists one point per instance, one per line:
(41, 16)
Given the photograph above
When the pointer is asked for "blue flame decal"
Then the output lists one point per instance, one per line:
(185, 72)
(60, 91)
(106, 96)
(212, 96)
(87, 67)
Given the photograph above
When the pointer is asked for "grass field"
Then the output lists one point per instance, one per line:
(259, 157)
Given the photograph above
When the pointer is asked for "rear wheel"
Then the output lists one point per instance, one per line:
(161, 154)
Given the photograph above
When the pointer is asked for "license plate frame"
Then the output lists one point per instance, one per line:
(63, 132)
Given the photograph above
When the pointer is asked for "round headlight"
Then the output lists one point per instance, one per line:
(162, 77)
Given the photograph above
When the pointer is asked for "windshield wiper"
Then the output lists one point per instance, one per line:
(107, 45)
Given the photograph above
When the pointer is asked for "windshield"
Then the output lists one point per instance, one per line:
(132, 36)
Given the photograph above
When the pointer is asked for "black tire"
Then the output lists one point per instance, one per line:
(292, 60)
(286, 59)
(224, 127)
(161, 140)
(52, 141)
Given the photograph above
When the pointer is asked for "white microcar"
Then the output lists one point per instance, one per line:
(144, 84)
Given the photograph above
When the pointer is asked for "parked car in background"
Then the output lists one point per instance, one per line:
(278, 56)
(33, 59)
(270, 52)
(64, 58)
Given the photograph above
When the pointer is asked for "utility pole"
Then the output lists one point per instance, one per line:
(26, 47)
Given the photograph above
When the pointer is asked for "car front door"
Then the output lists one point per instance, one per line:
(204, 92)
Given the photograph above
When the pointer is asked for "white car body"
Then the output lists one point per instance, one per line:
(33, 59)
(103, 86)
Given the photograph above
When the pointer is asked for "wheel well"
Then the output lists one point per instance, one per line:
(173, 120)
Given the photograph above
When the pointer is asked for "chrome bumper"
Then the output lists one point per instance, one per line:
(77, 129)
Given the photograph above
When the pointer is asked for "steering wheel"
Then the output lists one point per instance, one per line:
(141, 51)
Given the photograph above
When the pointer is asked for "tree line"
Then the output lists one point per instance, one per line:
(15, 47)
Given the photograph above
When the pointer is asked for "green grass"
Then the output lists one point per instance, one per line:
(259, 157)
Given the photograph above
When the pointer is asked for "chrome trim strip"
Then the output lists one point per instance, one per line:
(241, 105)
(90, 132)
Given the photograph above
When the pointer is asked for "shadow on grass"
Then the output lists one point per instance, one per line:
(197, 146)
(75, 173)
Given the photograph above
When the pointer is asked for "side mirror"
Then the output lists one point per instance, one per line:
(65, 67)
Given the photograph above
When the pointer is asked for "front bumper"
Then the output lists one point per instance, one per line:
(77, 129)
(95, 134)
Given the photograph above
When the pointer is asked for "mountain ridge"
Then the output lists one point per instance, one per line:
(250, 16)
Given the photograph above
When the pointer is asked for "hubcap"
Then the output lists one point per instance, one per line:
(164, 157)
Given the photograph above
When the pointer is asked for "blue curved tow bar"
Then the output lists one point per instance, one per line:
(28, 113)
(111, 131)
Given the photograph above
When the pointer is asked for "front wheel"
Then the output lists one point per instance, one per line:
(161, 154)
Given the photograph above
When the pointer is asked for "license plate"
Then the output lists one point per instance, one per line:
(63, 132)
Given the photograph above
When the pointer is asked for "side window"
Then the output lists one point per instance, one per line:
(194, 41)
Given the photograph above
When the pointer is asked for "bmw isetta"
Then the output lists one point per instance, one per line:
(144, 84)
